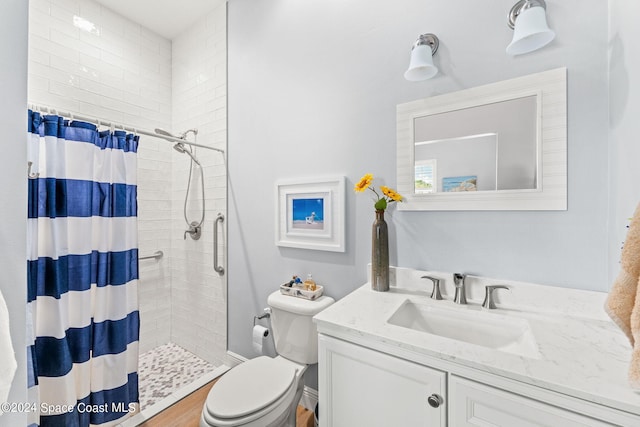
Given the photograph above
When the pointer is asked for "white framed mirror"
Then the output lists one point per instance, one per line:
(501, 146)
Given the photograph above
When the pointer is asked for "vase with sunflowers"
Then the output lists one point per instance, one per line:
(380, 232)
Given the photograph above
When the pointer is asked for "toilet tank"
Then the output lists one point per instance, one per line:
(294, 333)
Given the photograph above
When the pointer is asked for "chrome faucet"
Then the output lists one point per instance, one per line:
(460, 296)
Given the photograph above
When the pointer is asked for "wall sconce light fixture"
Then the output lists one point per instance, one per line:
(421, 65)
(528, 19)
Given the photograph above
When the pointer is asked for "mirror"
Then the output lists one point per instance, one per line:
(496, 147)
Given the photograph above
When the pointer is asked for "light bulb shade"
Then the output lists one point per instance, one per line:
(531, 32)
(421, 64)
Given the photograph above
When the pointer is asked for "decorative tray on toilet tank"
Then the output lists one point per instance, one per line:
(298, 290)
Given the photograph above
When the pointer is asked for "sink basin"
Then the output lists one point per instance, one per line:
(499, 332)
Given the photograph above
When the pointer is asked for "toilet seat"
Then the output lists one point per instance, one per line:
(261, 388)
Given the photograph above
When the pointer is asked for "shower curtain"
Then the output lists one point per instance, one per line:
(82, 273)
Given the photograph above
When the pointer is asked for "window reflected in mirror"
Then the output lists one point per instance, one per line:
(426, 176)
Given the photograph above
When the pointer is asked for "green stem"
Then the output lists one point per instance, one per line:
(375, 192)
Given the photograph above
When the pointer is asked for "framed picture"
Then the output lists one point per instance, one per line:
(310, 214)
(459, 183)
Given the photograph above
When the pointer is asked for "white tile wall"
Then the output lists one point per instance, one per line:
(199, 101)
(121, 72)
(118, 71)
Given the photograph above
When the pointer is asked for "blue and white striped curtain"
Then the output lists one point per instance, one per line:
(82, 273)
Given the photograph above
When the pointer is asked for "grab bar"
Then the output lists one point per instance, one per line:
(156, 255)
(218, 268)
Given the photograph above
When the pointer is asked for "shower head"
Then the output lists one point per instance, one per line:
(163, 132)
(179, 147)
(183, 135)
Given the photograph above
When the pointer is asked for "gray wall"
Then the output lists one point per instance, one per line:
(13, 193)
(313, 88)
(624, 99)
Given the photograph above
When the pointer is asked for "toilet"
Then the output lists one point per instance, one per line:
(265, 391)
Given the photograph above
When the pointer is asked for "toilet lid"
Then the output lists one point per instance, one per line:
(250, 387)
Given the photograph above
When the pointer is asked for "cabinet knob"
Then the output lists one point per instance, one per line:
(435, 400)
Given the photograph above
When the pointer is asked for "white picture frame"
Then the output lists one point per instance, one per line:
(310, 214)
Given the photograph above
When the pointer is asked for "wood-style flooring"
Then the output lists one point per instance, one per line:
(186, 412)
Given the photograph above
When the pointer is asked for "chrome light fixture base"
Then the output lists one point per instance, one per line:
(429, 40)
(521, 6)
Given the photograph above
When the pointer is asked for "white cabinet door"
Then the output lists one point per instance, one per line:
(363, 387)
(475, 404)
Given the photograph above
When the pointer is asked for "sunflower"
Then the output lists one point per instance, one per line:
(364, 183)
(380, 202)
(391, 193)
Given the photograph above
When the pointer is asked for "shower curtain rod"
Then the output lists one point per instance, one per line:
(99, 122)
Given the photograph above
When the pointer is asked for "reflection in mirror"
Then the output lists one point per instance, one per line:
(500, 146)
(469, 160)
(490, 147)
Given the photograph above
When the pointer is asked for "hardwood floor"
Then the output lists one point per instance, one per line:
(186, 412)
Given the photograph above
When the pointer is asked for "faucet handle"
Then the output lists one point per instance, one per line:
(488, 295)
(435, 294)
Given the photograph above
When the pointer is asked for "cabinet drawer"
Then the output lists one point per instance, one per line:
(481, 405)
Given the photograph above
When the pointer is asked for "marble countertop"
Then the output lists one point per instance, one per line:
(581, 352)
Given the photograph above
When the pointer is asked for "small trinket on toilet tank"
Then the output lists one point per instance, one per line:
(310, 284)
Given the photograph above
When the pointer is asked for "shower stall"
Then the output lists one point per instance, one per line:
(175, 361)
(88, 60)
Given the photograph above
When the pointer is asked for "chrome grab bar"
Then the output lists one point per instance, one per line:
(156, 255)
(218, 268)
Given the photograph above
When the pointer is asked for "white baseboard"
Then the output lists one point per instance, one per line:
(309, 398)
(234, 359)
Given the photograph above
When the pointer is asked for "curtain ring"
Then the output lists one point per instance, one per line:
(31, 175)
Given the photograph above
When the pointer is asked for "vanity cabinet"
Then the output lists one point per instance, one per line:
(363, 387)
(359, 386)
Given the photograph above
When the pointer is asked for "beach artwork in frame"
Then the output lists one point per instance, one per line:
(307, 213)
(310, 214)
(456, 184)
